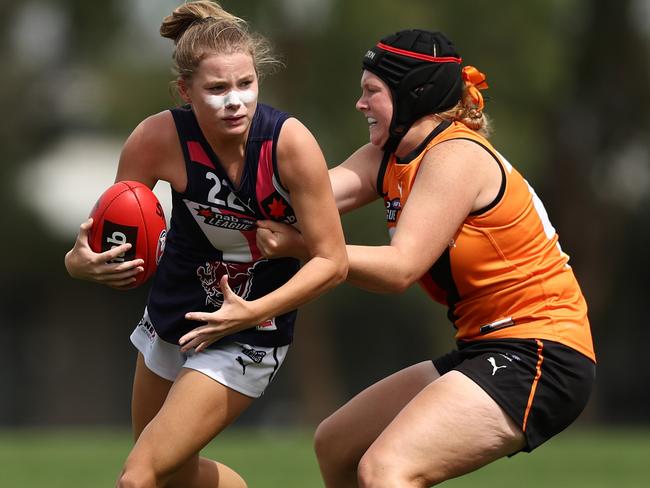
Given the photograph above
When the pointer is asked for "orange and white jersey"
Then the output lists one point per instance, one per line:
(504, 274)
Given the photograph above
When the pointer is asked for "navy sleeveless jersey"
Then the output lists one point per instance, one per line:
(212, 233)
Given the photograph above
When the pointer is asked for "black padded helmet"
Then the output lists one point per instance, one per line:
(422, 70)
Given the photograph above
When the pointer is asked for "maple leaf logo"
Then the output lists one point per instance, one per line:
(277, 208)
(205, 212)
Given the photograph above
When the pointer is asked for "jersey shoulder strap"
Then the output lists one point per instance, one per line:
(191, 137)
(272, 196)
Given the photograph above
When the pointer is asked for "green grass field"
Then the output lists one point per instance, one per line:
(284, 459)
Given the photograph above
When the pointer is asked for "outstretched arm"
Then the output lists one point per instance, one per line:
(455, 178)
(354, 181)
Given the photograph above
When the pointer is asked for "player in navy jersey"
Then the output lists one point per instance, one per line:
(219, 318)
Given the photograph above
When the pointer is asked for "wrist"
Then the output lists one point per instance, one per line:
(257, 311)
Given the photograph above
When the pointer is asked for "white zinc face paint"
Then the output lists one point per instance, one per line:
(232, 98)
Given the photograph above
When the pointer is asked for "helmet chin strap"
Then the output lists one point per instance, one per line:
(393, 142)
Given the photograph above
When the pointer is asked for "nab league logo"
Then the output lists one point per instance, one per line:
(392, 209)
(278, 209)
(240, 280)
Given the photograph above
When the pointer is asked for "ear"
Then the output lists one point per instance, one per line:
(183, 90)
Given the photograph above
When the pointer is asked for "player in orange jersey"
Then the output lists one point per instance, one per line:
(466, 225)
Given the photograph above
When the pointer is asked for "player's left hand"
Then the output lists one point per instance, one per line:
(277, 240)
(235, 314)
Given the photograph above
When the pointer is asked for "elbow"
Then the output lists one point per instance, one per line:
(401, 282)
(340, 273)
(397, 288)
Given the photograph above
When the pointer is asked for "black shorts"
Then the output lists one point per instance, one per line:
(542, 385)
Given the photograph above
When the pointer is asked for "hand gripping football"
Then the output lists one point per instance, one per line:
(129, 211)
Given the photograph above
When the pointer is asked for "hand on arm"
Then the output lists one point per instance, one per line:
(353, 184)
(277, 240)
(304, 173)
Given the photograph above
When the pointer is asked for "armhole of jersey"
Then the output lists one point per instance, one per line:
(381, 173)
(502, 188)
(274, 159)
(181, 131)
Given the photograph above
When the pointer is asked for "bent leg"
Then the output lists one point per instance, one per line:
(343, 438)
(172, 427)
(149, 394)
(450, 428)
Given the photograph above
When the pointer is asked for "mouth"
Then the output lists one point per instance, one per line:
(234, 119)
(371, 122)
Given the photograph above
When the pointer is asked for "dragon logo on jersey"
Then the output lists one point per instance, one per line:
(240, 280)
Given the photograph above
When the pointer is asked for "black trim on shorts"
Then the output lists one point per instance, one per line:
(542, 385)
(277, 364)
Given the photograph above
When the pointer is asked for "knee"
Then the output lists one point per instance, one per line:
(372, 471)
(321, 439)
(329, 445)
(136, 478)
(381, 470)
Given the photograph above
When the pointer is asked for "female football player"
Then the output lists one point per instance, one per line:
(220, 317)
(466, 225)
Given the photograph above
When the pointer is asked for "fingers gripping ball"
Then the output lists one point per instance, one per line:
(129, 212)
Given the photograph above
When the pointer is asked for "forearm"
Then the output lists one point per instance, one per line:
(314, 278)
(380, 269)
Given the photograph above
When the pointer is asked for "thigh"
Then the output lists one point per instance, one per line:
(195, 410)
(356, 425)
(450, 428)
(149, 393)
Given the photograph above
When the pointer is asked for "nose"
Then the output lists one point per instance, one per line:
(232, 99)
(361, 104)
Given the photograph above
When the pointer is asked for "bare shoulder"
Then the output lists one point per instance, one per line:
(155, 133)
(294, 137)
(459, 156)
(152, 151)
(458, 149)
(460, 163)
(297, 149)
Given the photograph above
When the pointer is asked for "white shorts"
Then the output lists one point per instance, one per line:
(246, 369)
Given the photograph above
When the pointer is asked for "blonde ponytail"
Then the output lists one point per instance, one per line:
(202, 28)
(174, 25)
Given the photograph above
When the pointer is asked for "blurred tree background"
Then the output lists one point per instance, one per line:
(570, 103)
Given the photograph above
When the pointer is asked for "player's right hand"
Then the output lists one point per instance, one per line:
(85, 264)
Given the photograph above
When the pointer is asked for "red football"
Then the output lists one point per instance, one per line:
(129, 211)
